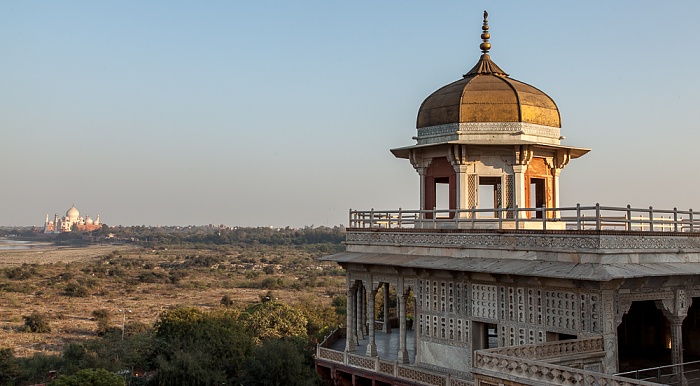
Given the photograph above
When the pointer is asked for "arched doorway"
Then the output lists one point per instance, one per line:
(643, 338)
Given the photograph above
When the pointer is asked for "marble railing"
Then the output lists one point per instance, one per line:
(588, 218)
(559, 350)
(527, 371)
(393, 369)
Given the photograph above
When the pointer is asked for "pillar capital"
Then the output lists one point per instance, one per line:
(676, 307)
(519, 168)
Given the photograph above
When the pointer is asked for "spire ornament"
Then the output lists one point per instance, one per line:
(485, 36)
(485, 66)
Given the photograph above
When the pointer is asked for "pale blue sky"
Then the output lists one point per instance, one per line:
(283, 113)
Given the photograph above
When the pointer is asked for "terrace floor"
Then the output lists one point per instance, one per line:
(387, 345)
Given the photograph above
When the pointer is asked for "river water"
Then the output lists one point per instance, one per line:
(16, 244)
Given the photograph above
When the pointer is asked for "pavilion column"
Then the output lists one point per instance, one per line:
(675, 310)
(359, 330)
(462, 191)
(555, 194)
(387, 324)
(610, 324)
(363, 303)
(372, 345)
(677, 349)
(350, 337)
(403, 352)
(561, 160)
(519, 188)
(416, 158)
(421, 174)
(458, 158)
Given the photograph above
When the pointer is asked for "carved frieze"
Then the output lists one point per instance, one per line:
(489, 127)
(549, 241)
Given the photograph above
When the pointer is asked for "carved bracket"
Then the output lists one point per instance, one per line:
(523, 154)
(457, 155)
(562, 158)
(675, 308)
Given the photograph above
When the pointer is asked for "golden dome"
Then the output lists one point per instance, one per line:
(487, 94)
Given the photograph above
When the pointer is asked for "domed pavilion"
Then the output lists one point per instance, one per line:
(488, 141)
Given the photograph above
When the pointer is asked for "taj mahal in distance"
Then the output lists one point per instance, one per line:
(71, 221)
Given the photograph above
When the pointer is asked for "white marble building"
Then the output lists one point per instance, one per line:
(501, 283)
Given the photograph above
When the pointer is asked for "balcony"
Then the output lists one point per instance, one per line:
(579, 218)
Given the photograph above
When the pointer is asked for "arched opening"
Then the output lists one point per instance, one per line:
(490, 195)
(440, 179)
(643, 338)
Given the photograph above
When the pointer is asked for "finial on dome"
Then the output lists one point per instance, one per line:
(485, 65)
(485, 36)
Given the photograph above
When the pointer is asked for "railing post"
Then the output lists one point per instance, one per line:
(597, 216)
(371, 218)
(473, 207)
(434, 218)
(578, 216)
(629, 217)
(500, 218)
(400, 218)
(675, 219)
(651, 219)
(690, 217)
(544, 217)
(517, 217)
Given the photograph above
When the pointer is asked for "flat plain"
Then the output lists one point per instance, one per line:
(136, 284)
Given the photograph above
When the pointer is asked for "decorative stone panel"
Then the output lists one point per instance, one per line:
(568, 241)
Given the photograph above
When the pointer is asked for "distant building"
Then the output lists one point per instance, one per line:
(72, 218)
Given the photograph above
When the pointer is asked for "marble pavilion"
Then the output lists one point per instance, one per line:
(491, 281)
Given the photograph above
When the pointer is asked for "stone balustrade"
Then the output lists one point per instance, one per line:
(412, 374)
(591, 218)
(559, 350)
(520, 371)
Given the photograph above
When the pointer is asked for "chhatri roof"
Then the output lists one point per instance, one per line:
(487, 94)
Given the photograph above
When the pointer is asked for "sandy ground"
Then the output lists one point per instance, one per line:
(44, 253)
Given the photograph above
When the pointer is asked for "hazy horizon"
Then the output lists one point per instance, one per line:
(283, 113)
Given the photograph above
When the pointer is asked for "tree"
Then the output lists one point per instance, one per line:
(274, 320)
(278, 362)
(202, 348)
(8, 365)
(89, 377)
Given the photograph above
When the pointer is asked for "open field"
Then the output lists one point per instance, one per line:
(49, 254)
(68, 284)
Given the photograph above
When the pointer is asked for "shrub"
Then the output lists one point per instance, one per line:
(226, 301)
(102, 318)
(74, 289)
(100, 377)
(36, 322)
